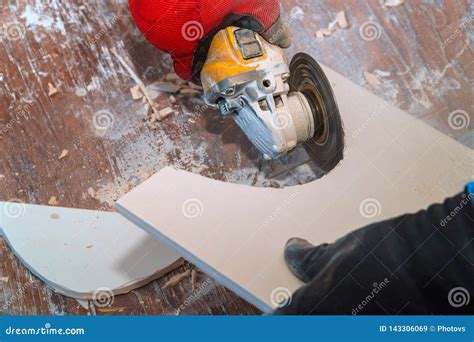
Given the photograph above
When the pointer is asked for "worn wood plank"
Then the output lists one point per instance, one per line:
(111, 149)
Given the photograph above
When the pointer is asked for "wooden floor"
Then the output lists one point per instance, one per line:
(419, 52)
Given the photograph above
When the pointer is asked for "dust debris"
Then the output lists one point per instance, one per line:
(53, 201)
(91, 192)
(89, 246)
(188, 91)
(340, 22)
(175, 280)
(372, 79)
(81, 92)
(323, 33)
(164, 113)
(297, 13)
(172, 77)
(107, 310)
(393, 3)
(54, 216)
(63, 154)
(163, 87)
(52, 90)
(193, 280)
(83, 303)
(382, 73)
(138, 81)
(136, 92)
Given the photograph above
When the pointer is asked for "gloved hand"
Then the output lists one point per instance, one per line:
(185, 28)
(414, 264)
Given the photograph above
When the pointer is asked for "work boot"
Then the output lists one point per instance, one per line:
(301, 256)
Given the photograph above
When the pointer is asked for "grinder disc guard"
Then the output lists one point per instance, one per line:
(326, 147)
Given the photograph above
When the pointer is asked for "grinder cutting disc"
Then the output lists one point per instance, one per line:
(326, 147)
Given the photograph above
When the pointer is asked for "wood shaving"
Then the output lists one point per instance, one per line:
(193, 280)
(53, 201)
(136, 92)
(4, 279)
(393, 3)
(63, 154)
(175, 280)
(52, 90)
(372, 79)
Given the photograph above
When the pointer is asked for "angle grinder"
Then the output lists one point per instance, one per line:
(278, 105)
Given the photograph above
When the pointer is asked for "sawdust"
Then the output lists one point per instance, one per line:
(54, 216)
